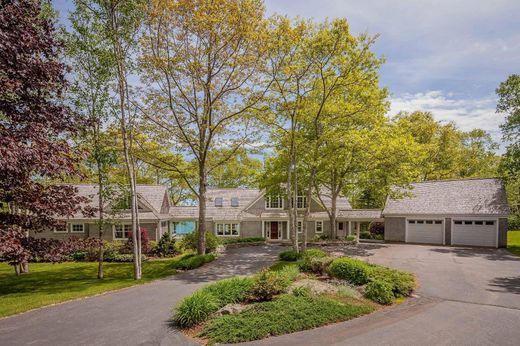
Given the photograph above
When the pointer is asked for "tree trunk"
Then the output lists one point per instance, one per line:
(16, 269)
(101, 223)
(294, 229)
(308, 207)
(201, 245)
(333, 226)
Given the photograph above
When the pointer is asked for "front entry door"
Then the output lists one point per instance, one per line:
(274, 230)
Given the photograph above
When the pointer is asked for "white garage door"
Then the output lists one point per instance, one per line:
(474, 232)
(425, 231)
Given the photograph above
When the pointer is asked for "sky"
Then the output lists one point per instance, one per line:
(442, 56)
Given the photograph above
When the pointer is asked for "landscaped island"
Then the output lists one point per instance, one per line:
(302, 291)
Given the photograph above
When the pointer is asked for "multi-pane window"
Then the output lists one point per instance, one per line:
(77, 228)
(219, 202)
(474, 222)
(122, 231)
(273, 202)
(319, 227)
(299, 226)
(301, 202)
(234, 202)
(227, 229)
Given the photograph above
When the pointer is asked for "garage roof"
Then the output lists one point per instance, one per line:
(452, 197)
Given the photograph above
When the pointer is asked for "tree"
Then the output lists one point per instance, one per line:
(203, 60)
(34, 128)
(509, 103)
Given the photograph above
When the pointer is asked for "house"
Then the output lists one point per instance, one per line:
(153, 203)
(251, 213)
(450, 212)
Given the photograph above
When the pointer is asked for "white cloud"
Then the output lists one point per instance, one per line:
(467, 114)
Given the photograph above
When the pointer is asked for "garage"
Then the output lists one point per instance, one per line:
(425, 231)
(474, 232)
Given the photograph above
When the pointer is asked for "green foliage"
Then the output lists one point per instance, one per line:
(165, 247)
(350, 237)
(513, 223)
(192, 261)
(289, 256)
(301, 291)
(352, 270)
(380, 292)
(195, 308)
(368, 235)
(190, 241)
(271, 283)
(117, 257)
(313, 252)
(316, 265)
(285, 314)
(230, 291)
(513, 242)
(226, 241)
(401, 283)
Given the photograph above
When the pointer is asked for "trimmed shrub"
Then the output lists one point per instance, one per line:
(189, 241)
(165, 247)
(231, 291)
(350, 237)
(377, 228)
(268, 284)
(80, 256)
(365, 235)
(313, 252)
(401, 283)
(242, 240)
(191, 261)
(290, 256)
(195, 308)
(354, 271)
(316, 265)
(117, 257)
(379, 291)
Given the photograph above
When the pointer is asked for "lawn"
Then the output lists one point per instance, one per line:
(513, 242)
(47, 283)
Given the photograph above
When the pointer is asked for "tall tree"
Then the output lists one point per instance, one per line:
(34, 128)
(203, 60)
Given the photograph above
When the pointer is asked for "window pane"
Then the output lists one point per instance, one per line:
(234, 229)
(479, 222)
(490, 223)
(438, 222)
(468, 222)
(458, 222)
(429, 222)
(411, 221)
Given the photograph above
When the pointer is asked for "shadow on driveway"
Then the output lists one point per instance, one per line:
(486, 253)
(506, 285)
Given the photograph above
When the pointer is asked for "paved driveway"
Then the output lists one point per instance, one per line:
(466, 297)
(135, 316)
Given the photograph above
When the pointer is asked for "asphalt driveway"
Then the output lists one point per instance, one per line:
(137, 315)
(467, 296)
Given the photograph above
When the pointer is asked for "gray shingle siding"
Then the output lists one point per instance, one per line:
(447, 231)
(502, 232)
(395, 228)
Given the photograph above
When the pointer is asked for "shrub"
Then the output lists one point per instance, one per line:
(379, 291)
(350, 237)
(317, 265)
(231, 291)
(189, 241)
(129, 245)
(365, 235)
(401, 283)
(80, 255)
(354, 271)
(112, 247)
(195, 308)
(268, 284)
(242, 240)
(313, 252)
(289, 273)
(192, 261)
(165, 246)
(117, 257)
(302, 291)
(290, 256)
(377, 228)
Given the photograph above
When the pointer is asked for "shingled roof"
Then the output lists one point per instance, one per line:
(452, 197)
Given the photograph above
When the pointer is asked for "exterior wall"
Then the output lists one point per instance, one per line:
(447, 231)
(259, 207)
(108, 234)
(395, 228)
(50, 234)
(502, 232)
(342, 233)
(250, 229)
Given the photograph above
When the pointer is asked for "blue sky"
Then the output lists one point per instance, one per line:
(442, 56)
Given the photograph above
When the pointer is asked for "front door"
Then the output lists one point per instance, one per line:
(274, 230)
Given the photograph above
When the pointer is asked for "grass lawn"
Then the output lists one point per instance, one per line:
(513, 242)
(47, 283)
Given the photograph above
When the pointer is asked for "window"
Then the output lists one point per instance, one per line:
(234, 201)
(122, 232)
(218, 202)
(468, 222)
(429, 222)
(183, 227)
(458, 222)
(340, 226)
(299, 226)
(319, 227)
(273, 202)
(301, 202)
(420, 221)
(77, 228)
(490, 223)
(479, 222)
(438, 222)
(411, 221)
(60, 229)
(227, 229)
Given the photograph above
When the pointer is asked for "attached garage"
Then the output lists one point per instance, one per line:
(425, 231)
(474, 232)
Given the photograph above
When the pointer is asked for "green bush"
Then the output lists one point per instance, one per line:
(316, 265)
(289, 273)
(350, 237)
(365, 235)
(268, 284)
(402, 283)
(290, 256)
(165, 247)
(117, 257)
(231, 291)
(80, 255)
(195, 308)
(379, 292)
(191, 261)
(354, 271)
(313, 252)
(301, 291)
(189, 241)
(242, 240)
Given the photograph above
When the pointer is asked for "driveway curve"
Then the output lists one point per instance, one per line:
(467, 296)
(138, 315)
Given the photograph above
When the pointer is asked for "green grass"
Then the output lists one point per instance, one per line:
(47, 283)
(513, 242)
(285, 314)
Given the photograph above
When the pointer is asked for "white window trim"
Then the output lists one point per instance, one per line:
(224, 223)
(268, 202)
(71, 225)
(298, 221)
(316, 226)
(114, 231)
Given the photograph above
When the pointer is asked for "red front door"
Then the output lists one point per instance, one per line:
(274, 230)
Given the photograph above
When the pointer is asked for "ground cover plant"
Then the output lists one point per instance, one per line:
(227, 241)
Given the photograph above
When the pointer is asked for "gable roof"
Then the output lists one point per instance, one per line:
(226, 211)
(452, 197)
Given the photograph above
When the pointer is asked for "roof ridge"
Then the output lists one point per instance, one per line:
(460, 179)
